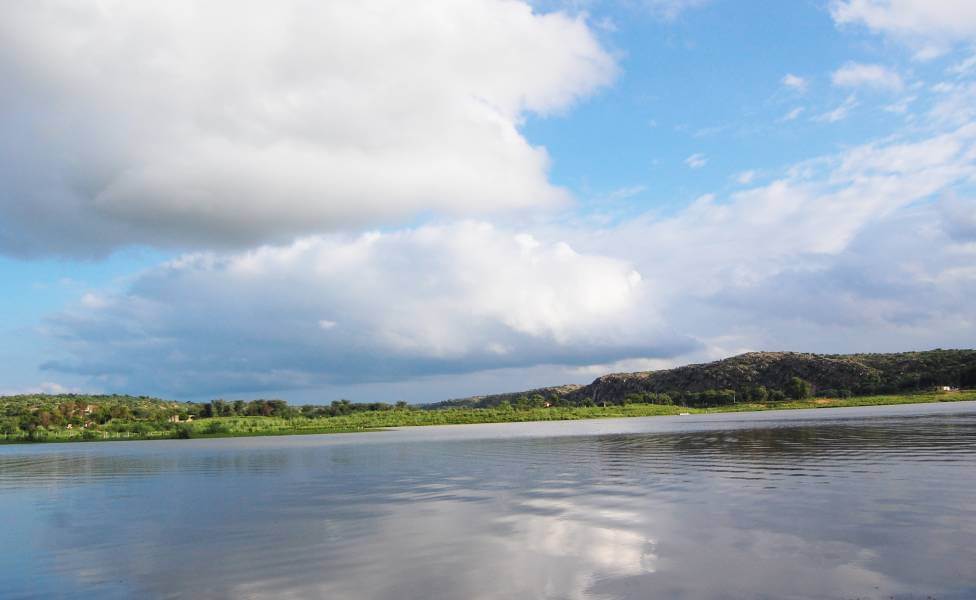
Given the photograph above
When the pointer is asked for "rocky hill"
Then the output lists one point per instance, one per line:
(828, 374)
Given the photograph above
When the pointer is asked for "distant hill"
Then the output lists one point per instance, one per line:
(773, 372)
(557, 391)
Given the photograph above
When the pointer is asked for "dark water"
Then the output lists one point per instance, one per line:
(840, 503)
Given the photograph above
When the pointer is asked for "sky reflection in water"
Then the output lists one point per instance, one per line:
(867, 503)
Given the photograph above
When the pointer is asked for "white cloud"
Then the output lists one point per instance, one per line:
(625, 193)
(956, 106)
(746, 177)
(793, 114)
(842, 252)
(438, 299)
(929, 26)
(855, 75)
(901, 106)
(795, 82)
(696, 161)
(959, 217)
(236, 122)
(840, 112)
(671, 9)
(46, 387)
(963, 67)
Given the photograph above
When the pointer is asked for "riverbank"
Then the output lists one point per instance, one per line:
(409, 417)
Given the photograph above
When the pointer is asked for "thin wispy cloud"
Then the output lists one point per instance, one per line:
(671, 9)
(963, 67)
(793, 114)
(855, 75)
(840, 112)
(746, 177)
(626, 192)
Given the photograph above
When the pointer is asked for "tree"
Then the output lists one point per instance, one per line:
(967, 379)
(798, 389)
(758, 394)
(9, 425)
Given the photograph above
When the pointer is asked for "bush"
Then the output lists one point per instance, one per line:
(184, 432)
(139, 428)
(758, 394)
(798, 389)
(214, 427)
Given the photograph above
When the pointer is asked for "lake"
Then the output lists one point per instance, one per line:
(875, 502)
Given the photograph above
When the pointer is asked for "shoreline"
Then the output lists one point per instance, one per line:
(375, 421)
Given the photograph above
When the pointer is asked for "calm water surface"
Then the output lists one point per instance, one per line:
(836, 503)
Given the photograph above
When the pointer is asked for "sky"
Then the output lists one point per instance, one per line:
(387, 201)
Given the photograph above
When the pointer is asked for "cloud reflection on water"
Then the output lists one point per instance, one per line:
(815, 509)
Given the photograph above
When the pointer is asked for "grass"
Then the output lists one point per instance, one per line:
(377, 420)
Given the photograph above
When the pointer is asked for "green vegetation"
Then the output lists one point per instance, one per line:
(752, 381)
(782, 375)
(41, 418)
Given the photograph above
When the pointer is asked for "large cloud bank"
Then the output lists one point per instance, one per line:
(155, 123)
(864, 250)
(437, 299)
(238, 122)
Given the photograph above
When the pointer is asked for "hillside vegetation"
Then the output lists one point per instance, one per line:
(754, 381)
(760, 377)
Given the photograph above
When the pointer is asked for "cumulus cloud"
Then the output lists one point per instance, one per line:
(854, 75)
(867, 249)
(696, 161)
(235, 123)
(930, 26)
(377, 307)
(844, 251)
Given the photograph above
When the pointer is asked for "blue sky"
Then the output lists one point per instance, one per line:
(382, 202)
